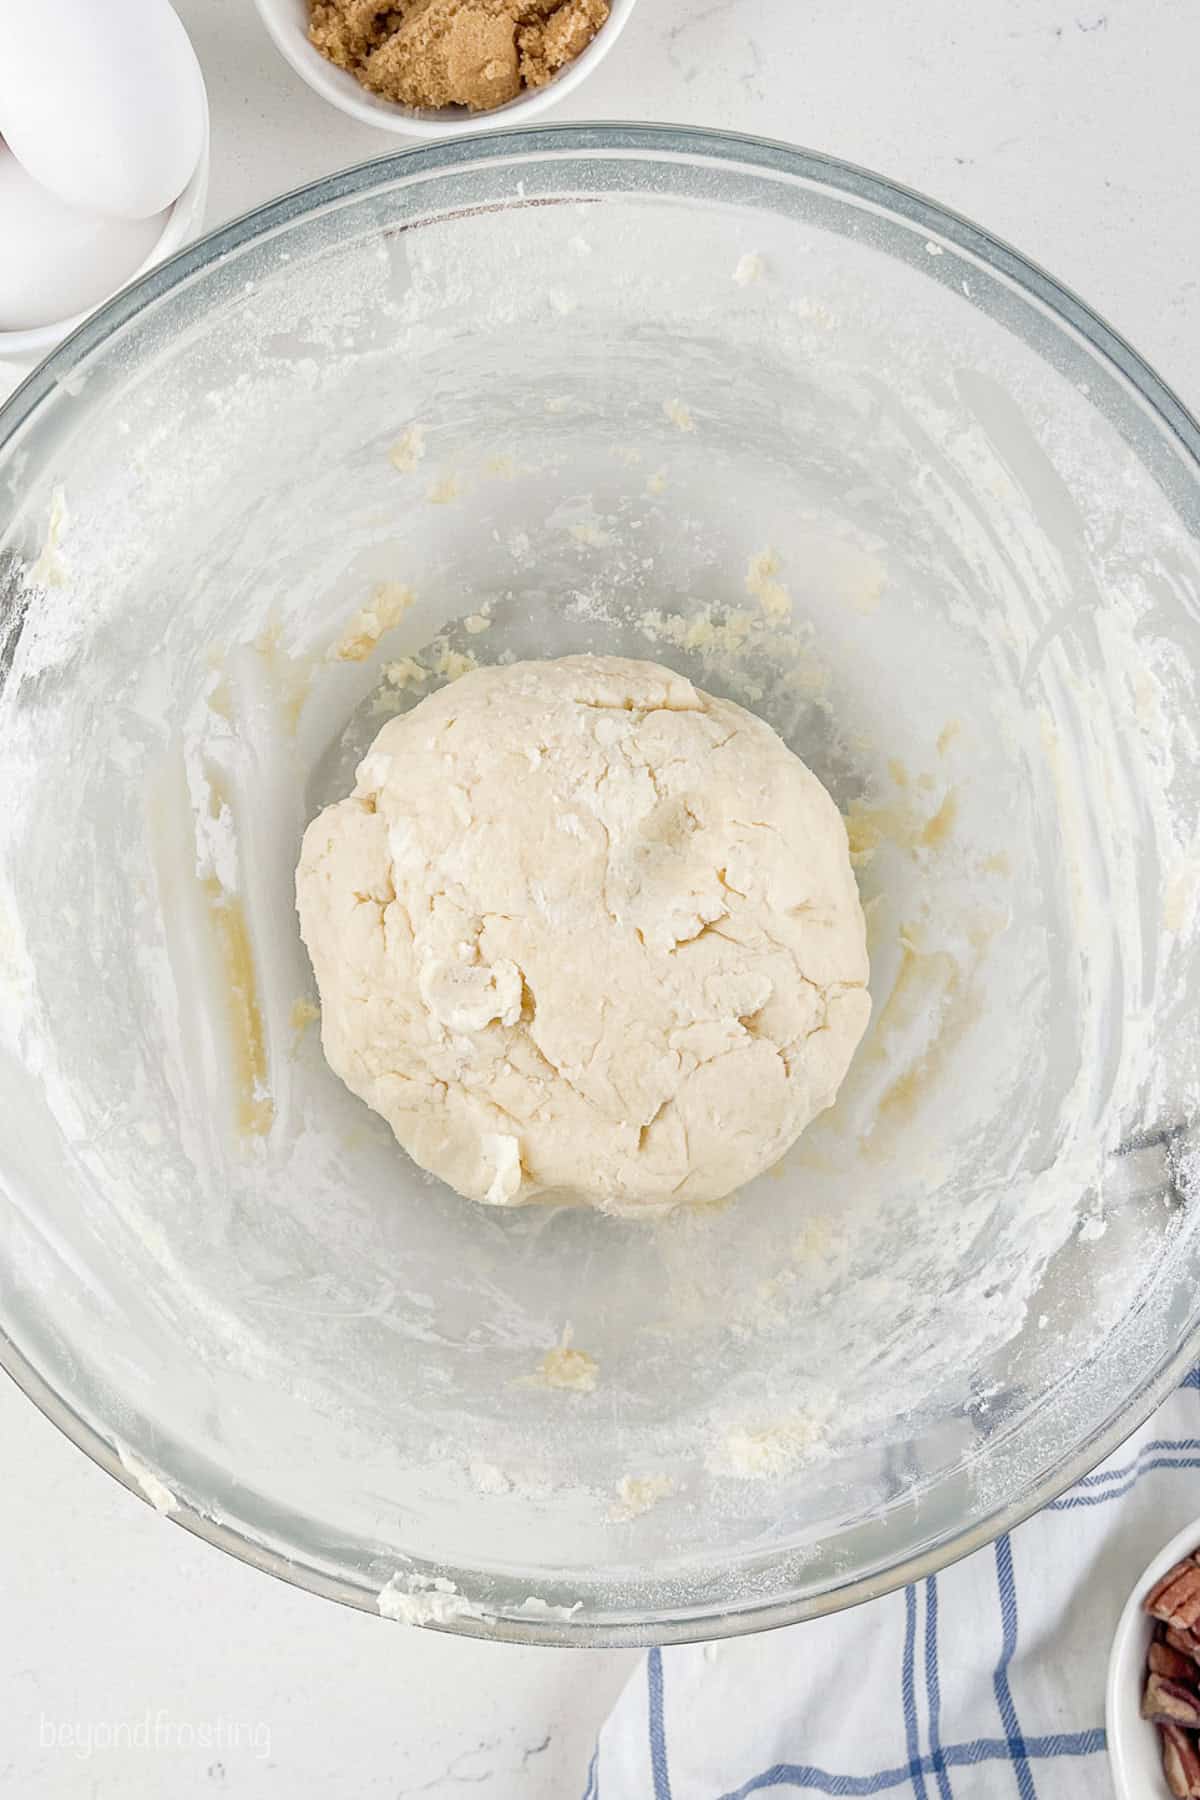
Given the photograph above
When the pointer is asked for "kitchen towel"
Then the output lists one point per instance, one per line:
(984, 1682)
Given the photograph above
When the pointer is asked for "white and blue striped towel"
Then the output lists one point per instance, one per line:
(982, 1683)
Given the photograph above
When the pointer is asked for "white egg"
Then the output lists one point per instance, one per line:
(56, 261)
(102, 102)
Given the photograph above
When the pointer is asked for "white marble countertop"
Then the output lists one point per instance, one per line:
(1068, 127)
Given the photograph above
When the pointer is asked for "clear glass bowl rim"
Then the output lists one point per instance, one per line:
(713, 147)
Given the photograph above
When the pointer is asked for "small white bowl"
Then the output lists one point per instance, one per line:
(287, 23)
(1134, 1745)
(183, 222)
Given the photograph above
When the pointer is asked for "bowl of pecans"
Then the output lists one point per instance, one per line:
(1153, 1700)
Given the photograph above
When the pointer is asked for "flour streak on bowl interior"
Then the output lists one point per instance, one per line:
(818, 462)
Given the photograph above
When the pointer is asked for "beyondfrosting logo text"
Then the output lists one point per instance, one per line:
(157, 1730)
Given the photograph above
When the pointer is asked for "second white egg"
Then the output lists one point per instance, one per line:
(57, 260)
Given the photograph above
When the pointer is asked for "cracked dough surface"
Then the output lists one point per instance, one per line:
(584, 928)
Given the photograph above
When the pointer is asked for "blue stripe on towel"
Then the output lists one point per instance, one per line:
(933, 1690)
(908, 1693)
(821, 1781)
(658, 1736)
(1007, 1589)
(1098, 1497)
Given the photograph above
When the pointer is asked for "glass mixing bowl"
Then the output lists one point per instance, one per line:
(820, 445)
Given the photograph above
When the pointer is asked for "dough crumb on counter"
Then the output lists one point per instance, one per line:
(473, 53)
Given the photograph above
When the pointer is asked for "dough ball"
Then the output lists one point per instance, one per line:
(582, 929)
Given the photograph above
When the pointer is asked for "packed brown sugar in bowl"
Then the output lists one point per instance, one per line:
(473, 53)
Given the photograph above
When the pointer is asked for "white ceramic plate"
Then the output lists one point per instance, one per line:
(1134, 1746)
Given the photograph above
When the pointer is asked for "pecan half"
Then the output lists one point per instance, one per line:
(1181, 1763)
(1170, 1703)
(1164, 1582)
(1176, 1665)
(1176, 1598)
(1186, 1642)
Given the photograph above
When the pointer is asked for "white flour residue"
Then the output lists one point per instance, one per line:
(567, 1367)
(413, 1599)
(151, 1486)
(766, 1452)
(637, 1494)
(749, 268)
(408, 450)
(534, 1607)
(51, 569)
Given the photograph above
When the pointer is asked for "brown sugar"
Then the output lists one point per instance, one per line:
(472, 53)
